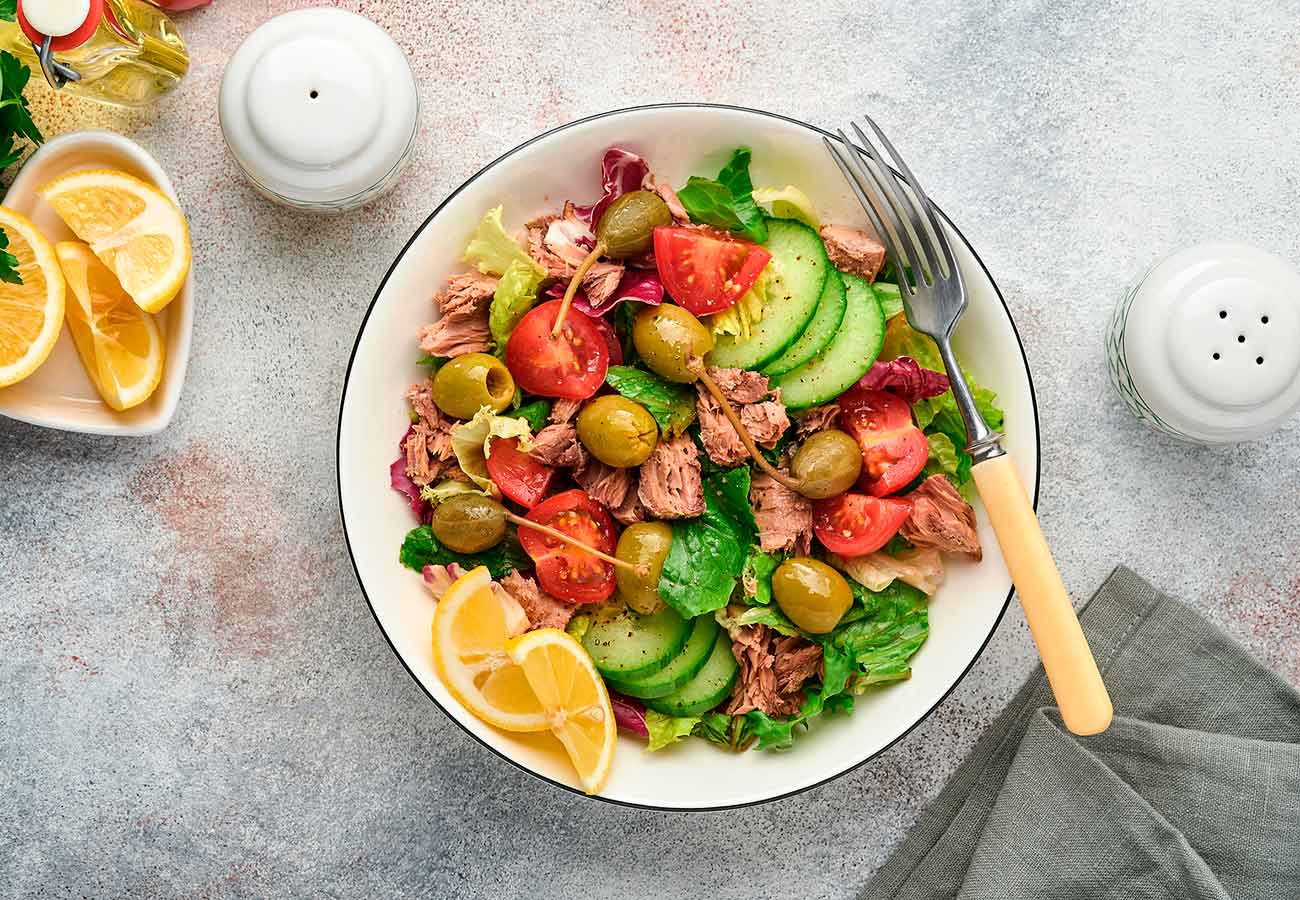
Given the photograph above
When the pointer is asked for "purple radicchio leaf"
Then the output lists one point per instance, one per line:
(629, 714)
(402, 483)
(905, 378)
(621, 171)
(637, 285)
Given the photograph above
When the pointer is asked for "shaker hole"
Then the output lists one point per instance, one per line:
(1241, 339)
(1223, 314)
(1263, 320)
(1259, 360)
(1216, 356)
(314, 94)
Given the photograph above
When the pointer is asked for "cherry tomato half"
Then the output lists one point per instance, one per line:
(703, 270)
(564, 571)
(520, 477)
(853, 524)
(571, 365)
(894, 450)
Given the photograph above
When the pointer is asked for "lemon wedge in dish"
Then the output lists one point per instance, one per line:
(134, 228)
(31, 313)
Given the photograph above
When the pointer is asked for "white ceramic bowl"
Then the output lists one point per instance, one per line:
(59, 394)
(677, 140)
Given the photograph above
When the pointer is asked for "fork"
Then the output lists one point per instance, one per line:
(934, 298)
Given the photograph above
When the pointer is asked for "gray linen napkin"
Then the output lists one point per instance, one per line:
(1192, 794)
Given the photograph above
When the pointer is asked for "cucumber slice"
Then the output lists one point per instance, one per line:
(626, 644)
(798, 273)
(820, 331)
(684, 667)
(708, 688)
(845, 359)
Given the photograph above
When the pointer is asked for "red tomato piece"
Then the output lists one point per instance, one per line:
(703, 270)
(564, 571)
(894, 450)
(520, 477)
(853, 524)
(611, 340)
(571, 365)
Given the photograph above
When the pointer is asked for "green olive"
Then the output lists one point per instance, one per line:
(627, 226)
(469, 523)
(471, 381)
(827, 464)
(667, 337)
(645, 543)
(617, 431)
(812, 594)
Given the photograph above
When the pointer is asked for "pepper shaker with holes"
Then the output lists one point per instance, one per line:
(1205, 346)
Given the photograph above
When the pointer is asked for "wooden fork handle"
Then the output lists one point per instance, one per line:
(1071, 670)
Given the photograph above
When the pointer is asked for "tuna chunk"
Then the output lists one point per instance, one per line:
(563, 411)
(428, 444)
(601, 281)
(797, 660)
(543, 610)
(670, 485)
(853, 250)
(605, 484)
(785, 518)
(557, 445)
(765, 420)
(462, 325)
(941, 519)
(754, 647)
(815, 419)
(557, 269)
(670, 199)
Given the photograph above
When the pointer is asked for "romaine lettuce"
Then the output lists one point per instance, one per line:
(515, 294)
(492, 250)
(671, 405)
(707, 555)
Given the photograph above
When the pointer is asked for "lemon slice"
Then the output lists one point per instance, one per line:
(573, 694)
(471, 626)
(120, 345)
(136, 229)
(31, 313)
(789, 203)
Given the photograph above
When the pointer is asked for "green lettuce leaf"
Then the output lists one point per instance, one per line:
(893, 625)
(535, 414)
(492, 250)
(891, 300)
(715, 727)
(779, 734)
(737, 616)
(435, 494)
(515, 294)
(708, 553)
(421, 548)
(664, 730)
(760, 566)
(727, 202)
(946, 459)
(672, 405)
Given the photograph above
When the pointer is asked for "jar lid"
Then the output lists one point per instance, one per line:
(68, 23)
(318, 106)
(1212, 340)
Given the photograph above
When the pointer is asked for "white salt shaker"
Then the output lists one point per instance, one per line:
(319, 108)
(1206, 344)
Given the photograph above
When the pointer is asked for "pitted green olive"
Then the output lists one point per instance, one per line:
(471, 381)
(811, 594)
(617, 431)
(667, 337)
(469, 523)
(627, 226)
(645, 543)
(827, 464)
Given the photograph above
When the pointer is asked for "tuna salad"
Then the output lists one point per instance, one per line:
(691, 427)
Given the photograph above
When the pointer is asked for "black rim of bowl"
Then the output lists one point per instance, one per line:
(338, 446)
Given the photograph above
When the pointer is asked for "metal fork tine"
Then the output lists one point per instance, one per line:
(903, 210)
(860, 192)
(895, 226)
(927, 207)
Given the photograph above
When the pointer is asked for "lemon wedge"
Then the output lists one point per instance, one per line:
(120, 345)
(571, 691)
(134, 228)
(789, 203)
(31, 313)
(471, 627)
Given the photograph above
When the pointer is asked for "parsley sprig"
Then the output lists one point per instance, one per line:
(16, 129)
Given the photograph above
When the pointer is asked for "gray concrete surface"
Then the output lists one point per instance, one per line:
(196, 702)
